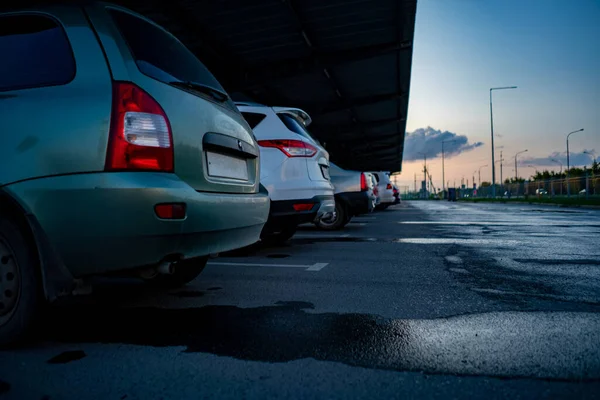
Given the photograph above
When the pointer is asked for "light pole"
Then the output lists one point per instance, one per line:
(516, 168)
(568, 164)
(483, 166)
(492, 131)
(443, 172)
(591, 153)
(501, 160)
(424, 174)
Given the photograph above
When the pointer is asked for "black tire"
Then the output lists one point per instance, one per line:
(20, 297)
(280, 237)
(339, 220)
(185, 272)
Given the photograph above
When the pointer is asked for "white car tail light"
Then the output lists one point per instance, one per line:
(140, 135)
(291, 148)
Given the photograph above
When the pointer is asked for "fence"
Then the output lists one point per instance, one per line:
(579, 186)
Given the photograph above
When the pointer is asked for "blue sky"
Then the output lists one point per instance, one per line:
(550, 49)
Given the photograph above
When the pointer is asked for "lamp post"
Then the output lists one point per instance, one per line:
(492, 132)
(568, 164)
(516, 167)
(501, 160)
(443, 172)
(591, 153)
(424, 174)
(483, 166)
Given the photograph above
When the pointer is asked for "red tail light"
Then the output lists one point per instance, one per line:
(363, 183)
(140, 134)
(291, 148)
(303, 206)
(375, 190)
(389, 186)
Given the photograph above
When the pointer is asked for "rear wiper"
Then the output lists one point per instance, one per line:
(205, 89)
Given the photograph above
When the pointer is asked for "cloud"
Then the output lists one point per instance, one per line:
(575, 159)
(429, 141)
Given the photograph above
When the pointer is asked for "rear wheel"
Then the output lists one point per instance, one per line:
(185, 272)
(337, 220)
(19, 286)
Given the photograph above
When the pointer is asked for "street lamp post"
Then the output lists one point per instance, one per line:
(492, 132)
(424, 174)
(483, 166)
(568, 164)
(443, 172)
(516, 167)
(501, 160)
(591, 153)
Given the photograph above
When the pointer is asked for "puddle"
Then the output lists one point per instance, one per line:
(67, 357)
(559, 345)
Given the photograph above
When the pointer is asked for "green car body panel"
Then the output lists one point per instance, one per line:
(53, 152)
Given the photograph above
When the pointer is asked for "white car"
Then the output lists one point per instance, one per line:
(385, 189)
(294, 168)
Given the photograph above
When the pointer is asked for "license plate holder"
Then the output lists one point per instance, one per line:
(226, 166)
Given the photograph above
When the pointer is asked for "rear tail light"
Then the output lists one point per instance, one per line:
(389, 186)
(363, 183)
(375, 190)
(291, 148)
(303, 206)
(140, 135)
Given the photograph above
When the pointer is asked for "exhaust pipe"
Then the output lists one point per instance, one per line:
(165, 268)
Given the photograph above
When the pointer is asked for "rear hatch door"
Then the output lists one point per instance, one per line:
(297, 121)
(214, 149)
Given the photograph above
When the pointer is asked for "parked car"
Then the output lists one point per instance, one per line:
(353, 196)
(294, 168)
(541, 192)
(385, 189)
(120, 153)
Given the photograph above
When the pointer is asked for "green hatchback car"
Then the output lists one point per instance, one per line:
(120, 153)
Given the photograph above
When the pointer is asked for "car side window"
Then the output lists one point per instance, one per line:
(35, 51)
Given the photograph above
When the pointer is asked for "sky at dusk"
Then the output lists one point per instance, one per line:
(550, 49)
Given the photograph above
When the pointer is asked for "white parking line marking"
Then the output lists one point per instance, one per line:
(314, 267)
(497, 223)
(458, 241)
(318, 236)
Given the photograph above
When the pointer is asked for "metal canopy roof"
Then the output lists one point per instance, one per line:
(346, 62)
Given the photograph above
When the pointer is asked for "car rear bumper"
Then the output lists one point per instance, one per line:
(104, 222)
(284, 215)
(356, 202)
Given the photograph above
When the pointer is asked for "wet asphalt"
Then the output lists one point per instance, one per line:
(423, 300)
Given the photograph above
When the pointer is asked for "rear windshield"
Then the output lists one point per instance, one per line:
(159, 54)
(35, 52)
(293, 125)
(253, 119)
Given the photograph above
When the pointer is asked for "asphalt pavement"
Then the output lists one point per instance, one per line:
(428, 299)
